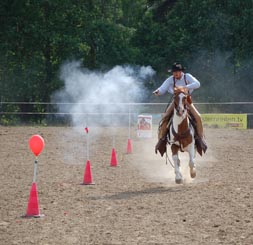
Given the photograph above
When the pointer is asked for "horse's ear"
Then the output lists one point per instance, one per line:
(178, 90)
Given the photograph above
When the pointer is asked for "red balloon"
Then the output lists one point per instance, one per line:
(36, 144)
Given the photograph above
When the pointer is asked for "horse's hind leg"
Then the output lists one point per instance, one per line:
(191, 162)
(178, 177)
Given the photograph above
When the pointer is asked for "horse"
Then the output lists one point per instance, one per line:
(181, 134)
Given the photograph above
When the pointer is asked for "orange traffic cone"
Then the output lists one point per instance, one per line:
(33, 203)
(129, 146)
(87, 177)
(114, 161)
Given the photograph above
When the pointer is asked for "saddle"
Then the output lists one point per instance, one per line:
(163, 130)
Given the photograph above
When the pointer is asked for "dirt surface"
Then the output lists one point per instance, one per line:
(136, 202)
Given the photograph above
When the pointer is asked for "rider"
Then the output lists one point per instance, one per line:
(189, 82)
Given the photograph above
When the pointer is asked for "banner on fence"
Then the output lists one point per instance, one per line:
(225, 120)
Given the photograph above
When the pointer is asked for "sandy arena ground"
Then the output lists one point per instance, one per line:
(136, 202)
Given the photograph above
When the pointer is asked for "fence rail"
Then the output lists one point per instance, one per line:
(13, 113)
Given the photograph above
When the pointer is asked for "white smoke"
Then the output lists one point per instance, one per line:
(87, 93)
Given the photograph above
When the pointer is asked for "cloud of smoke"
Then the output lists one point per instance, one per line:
(100, 94)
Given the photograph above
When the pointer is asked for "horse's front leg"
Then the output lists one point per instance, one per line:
(178, 177)
(191, 161)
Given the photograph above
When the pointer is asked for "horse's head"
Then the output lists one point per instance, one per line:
(180, 100)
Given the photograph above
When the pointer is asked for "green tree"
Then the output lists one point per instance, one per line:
(37, 36)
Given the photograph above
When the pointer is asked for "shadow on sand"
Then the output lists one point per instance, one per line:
(132, 194)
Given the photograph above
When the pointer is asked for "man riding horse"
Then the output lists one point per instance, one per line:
(189, 83)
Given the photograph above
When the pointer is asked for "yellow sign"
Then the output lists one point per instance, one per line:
(225, 120)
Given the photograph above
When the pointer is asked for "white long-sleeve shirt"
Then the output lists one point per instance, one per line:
(168, 85)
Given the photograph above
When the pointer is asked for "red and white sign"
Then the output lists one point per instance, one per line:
(144, 126)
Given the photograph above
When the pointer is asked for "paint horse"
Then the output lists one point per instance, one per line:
(181, 134)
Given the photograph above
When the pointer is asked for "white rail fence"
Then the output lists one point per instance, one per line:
(54, 113)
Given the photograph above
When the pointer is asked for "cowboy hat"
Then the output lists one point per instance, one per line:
(176, 67)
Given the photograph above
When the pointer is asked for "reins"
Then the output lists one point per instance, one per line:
(167, 158)
(171, 99)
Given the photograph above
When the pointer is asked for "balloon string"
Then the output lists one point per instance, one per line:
(129, 122)
(113, 125)
(88, 140)
(88, 146)
(35, 170)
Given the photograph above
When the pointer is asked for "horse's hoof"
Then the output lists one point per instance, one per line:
(193, 172)
(178, 181)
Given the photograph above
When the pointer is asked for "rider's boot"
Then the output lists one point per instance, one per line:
(163, 125)
(161, 145)
(163, 130)
(203, 144)
(200, 142)
(199, 137)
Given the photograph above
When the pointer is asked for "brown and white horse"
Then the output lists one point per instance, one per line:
(181, 134)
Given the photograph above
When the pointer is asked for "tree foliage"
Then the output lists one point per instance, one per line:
(213, 38)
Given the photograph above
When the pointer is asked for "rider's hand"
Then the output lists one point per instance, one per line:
(156, 92)
(181, 89)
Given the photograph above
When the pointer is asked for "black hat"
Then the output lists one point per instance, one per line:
(176, 67)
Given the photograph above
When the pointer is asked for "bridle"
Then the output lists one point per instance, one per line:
(181, 113)
(177, 106)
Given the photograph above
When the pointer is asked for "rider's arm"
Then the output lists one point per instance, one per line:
(167, 86)
(193, 83)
